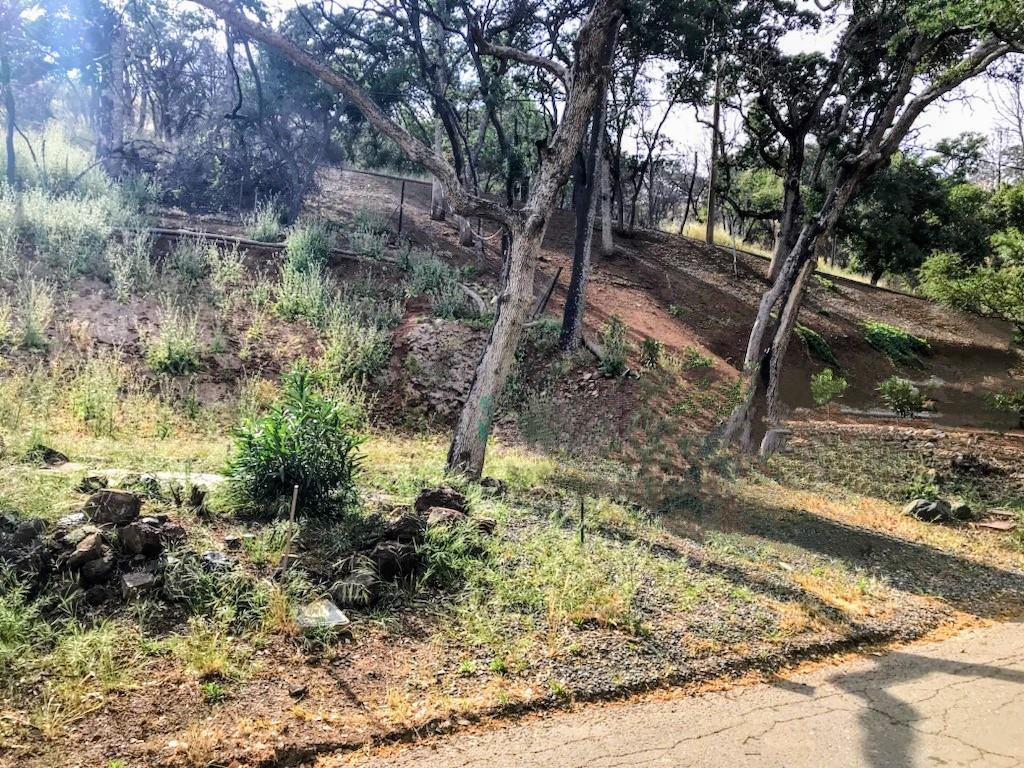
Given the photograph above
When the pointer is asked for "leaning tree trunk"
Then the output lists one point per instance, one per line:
(709, 232)
(792, 211)
(468, 446)
(11, 114)
(773, 437)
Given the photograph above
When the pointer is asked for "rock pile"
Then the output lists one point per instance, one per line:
(108, 537)
(938, 511)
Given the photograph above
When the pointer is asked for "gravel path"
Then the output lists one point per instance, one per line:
(957, 702)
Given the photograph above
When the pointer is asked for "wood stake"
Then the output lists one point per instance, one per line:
(286, 558)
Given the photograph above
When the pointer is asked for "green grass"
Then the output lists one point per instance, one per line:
(816, 345)
(174, 348)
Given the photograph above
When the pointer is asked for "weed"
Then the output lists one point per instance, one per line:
(208, 651)
(900, 346)
(227, 271)
(35, 313)
(130, 267)
(189, 262)
(428, 274)
(304, 293)
(1010, 401)
(694, 359)
(651, 351)
(616, 347)
(268, 543)
(449, 300)
(354, 352)
(94, 392)
(213, 692)
(175, 347)
(263, 223)
(901, 396)
(305, 440)
(308, 245)
(7, 334)
(9, 248)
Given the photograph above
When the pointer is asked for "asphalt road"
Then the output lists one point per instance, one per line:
(956, 702)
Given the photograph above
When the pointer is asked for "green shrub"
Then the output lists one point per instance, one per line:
(901, 396)
(306, 440)
(308, 245)
(693, 358)
(189, 261)
(35, 313)
(816, 345)
(1010, 401)
(616, 347)
(354, 351)
(263, 223)
(650, 352)
(900, 346)
(826, 386)
(450, 301)
(304, 293)
(94, 392)
(175, 347)
(427, 273)
(131, 270)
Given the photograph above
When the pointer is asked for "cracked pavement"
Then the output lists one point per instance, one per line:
(955, 702)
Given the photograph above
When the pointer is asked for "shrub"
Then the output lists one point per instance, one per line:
(650, 352)
(354, 351)
(901, 396)
(7, 335)
(35, 313)
(1010, 401)
(900, 346)
(190, 263)
(306, 440)
(304, 293)
(616, 347)
(131, 270)
(816, 345)
(308, 245)
(427, 273)
(826, 387)
(694, 358)
(227, 271)
(263, 223)
(94, 392)
(450, 301)
(175, 348)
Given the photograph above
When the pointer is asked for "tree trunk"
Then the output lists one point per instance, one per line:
(607, 241)
(466, 453)
(709, 232)
(792, 210)
(10, 109)
(437, 211)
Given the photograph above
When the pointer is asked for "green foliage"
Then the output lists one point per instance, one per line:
(616, 347)
(263, 223)
(174, 349)
(816, 345)
(694, 359)
(651, 351)
(131, 270)
(305, 439)
(35, 313)
(901, 396)
(827, 386)
(1010, 401)
(354, 351)
(94, 392)
(308, 245)
(304, 293)
(450, 301)
(213, 692)
(899, 345)
(991, 289)
(189, 263)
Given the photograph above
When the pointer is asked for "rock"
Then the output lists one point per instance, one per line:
(486, 525)
(216, 561)
(442, 496)
(298, 691)
(74, 537)
(321, 614)
(408, 527)
(232, 543)
(494, 486)
(172, 533)
(143, 537)
(88, 549)
(98, 571)
(29, 563)
(393, 559)
(441, 516)
(68, 522)
(91, 484)
(27, 531)
(358, 589)
(971, 464)
(136, 583)
(112, 506)
(929, 511)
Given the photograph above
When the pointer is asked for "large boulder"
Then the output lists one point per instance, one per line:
(110, 505)
(393, 559)
(443, 516)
